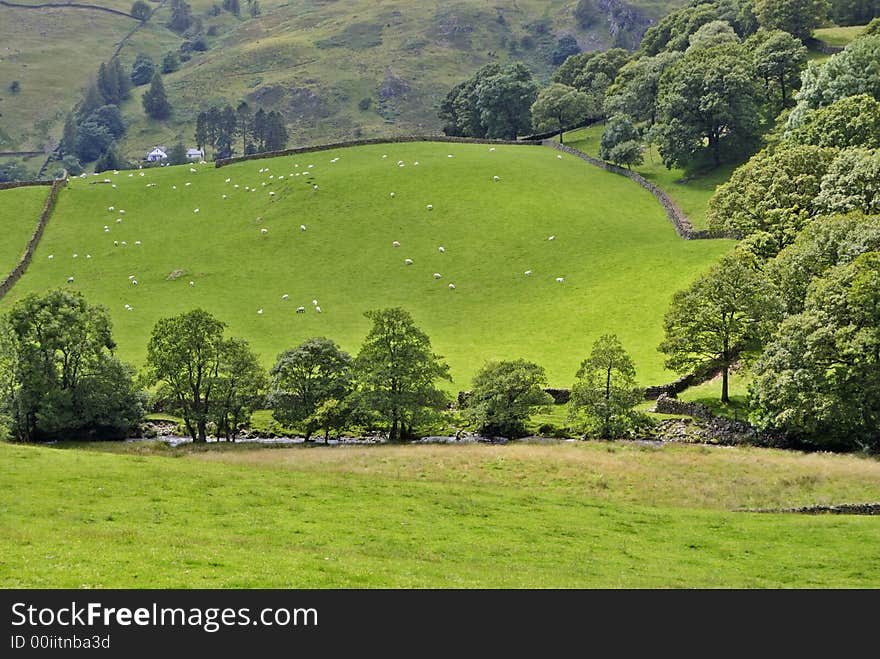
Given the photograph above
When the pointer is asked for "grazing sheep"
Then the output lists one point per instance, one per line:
(528, 273)
(124, 244)
(437, 275)
(118, 220)
(451, 287)
(192, 170)
(416, 163)
(264, 231)
(559, 157)
(192, 283)
(285, 296)
(76, 256)
(264, 184)
(300, 309)
(137, 242)
(385, 155)
(318, 309)
(116, 243)
(174, 187)
(195, 210)
(188, 183)
(496, 178)
(560, 279)
(315, 302)
(302, 227)
(121, 212)
(316, 187)
(235, 186)
(395, 244)
(491, 148)
(271, 194)
(224, 196)
(259, 312)
(134, 282)
(441, 249)
(228, 180)
(449, 156)
(552, 238)
(430, 207)
(70, 280)
(111, 209)
(392, 195)
(130, 277)
(51, 256)
(106, 229)
(88, 256)
(408, 261)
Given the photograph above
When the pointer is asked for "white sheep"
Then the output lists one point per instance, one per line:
(111, 209)
(228, 180)
(224, 196)
(430, 207)
(195, 210)
(122, 212)
(70, 280)
(174, 187)
(88, 256)
(134, 282)
(392, 195)
(496, 178)
(130, 277)
(449, 156)
(300, 309)
(441, 249)
(118, 220)
(408, 261)
(491, 148)
(285, 296)
(259, 312)
(51, 256)
(137, 242)
(116, 243)
(318, 309)
(552, 238)
(235, 186)
(528, 273)
(416, 163)
(271, 194)
(315, 302)
(76, 256)
(451, 287)
(192, 170)
(264, 231)
(394, 244)
(437, 275)
(192, 283)
(559, 280)
(559, 157)
(316, 187)
(188, 183)
(302, 227)
(124, 244)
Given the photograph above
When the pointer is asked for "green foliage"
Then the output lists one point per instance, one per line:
(58, 375)
(112, 85)
(797, 17)
(504, 395)
(110, 118)
(849, 73)
(706, 101)
(91, 141)
(777, 58)
(728, 311)
(850, 121)
(674, 30)
(851, 183)
(232, 6)
(140, 10)
(305, 378)
(621, 142)
(565, 48)
(773, 193)
(240, 388)
(495, 102)
(177, 154)
(143, 69)
(605, 390)
(559, 106)
(711, 34)
(824, 243)
(181, 16)
(873, 28)
(396, 371)
(634, 91)
(186, 355)
(170, 62)
(819, 378)
(109, 160)
(155, 102)
(854, 12)
(365, 103)
(72, 165)
(13, 171)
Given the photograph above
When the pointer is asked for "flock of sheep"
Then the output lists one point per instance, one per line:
(305, 173)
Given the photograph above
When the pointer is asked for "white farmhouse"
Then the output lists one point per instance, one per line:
(157, 154)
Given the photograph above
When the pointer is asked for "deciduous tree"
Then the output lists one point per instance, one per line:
(504, 395)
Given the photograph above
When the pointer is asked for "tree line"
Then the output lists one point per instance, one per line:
(259, 132)
(60, 379)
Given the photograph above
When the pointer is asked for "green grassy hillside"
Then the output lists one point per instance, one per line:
(310, 59)
(19, 211)
(691, 193)
(604, 515)
(619, 255)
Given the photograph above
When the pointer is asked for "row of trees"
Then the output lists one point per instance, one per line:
(258, 131)
(59, 378)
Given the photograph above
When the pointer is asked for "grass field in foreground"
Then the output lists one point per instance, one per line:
(19, 211)
(618, 253)
(566, 515)
(692, 193)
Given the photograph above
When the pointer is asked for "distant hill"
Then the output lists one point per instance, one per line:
(313, 60)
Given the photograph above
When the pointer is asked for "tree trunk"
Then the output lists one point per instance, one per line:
(202, 430)
(725, 357)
